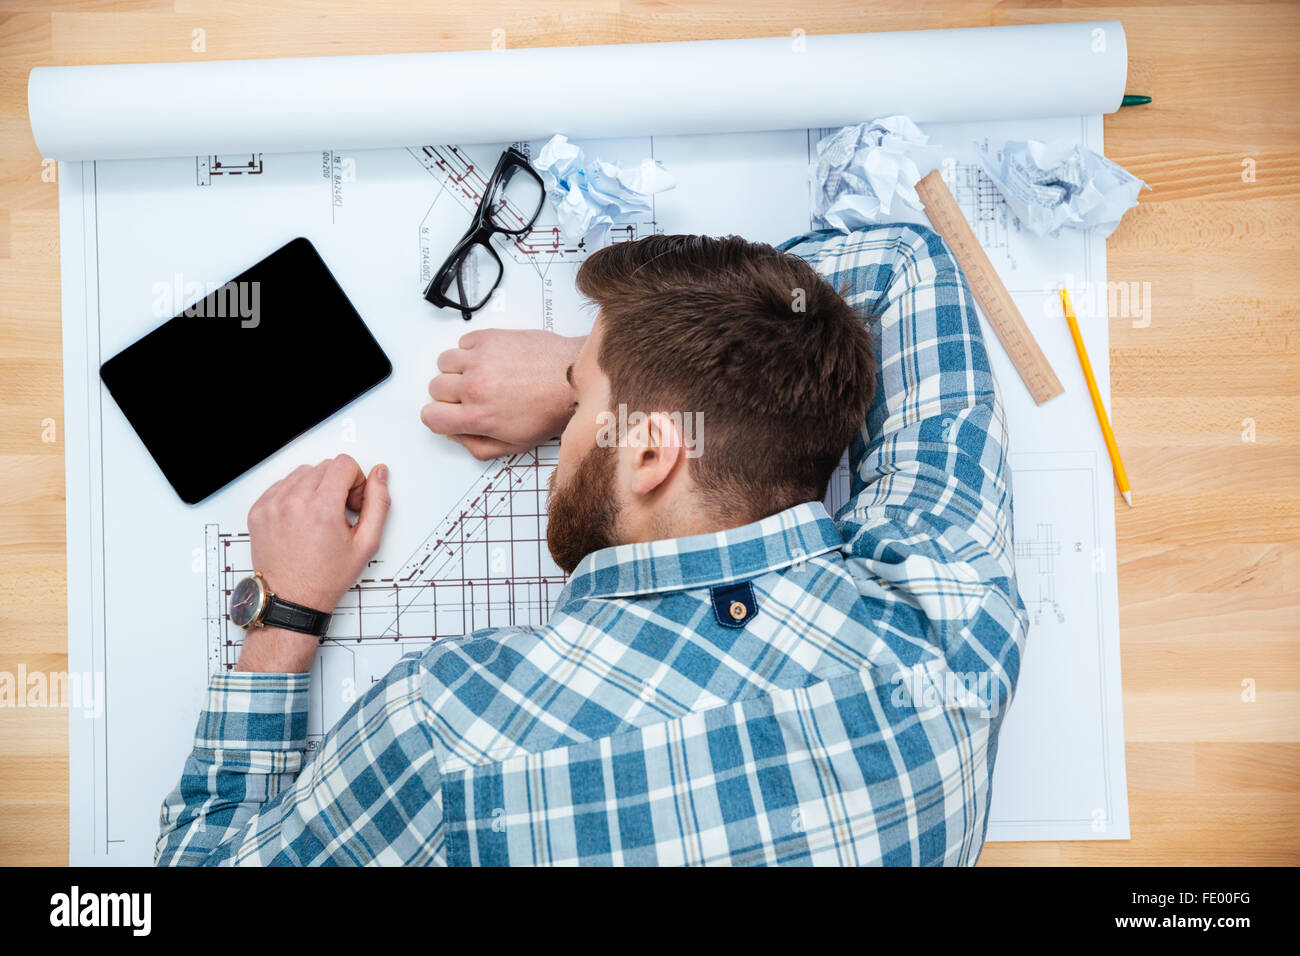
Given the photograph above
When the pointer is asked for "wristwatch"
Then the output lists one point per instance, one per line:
(253, 604)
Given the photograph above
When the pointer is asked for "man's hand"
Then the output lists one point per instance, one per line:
(308, 551)
(502, 392)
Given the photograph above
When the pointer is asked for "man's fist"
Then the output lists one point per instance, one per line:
(300, 536)
(502, 391)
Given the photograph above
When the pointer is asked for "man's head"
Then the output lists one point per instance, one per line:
(720, 384)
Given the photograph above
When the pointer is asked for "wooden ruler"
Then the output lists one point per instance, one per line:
(993, 298)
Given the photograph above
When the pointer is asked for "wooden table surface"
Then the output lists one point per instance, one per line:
(1204, 397)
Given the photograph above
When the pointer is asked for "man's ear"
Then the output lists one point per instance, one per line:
(654, 449)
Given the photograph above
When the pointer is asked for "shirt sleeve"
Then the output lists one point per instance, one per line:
(251, 792)
(929, 517)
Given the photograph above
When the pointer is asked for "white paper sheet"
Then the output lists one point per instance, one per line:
(148, 574)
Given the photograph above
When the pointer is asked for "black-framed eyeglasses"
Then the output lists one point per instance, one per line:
(510, 205)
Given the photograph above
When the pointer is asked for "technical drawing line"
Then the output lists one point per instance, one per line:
(484, 564)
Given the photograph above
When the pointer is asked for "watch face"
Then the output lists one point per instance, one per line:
(245, 602)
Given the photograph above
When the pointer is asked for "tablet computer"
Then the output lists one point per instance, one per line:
(287, 349)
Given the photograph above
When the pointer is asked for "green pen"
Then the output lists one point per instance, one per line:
(1134, 99)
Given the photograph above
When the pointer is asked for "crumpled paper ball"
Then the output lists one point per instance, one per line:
(1052, 186)
(589, 197)
(863, 171)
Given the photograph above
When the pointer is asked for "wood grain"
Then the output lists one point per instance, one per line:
(1208, 561)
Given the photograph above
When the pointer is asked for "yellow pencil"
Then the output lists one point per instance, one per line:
(1120, 477)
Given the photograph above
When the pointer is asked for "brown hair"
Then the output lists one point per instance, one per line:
(779, 365)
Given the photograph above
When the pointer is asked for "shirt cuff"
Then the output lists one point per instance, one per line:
(255, 712)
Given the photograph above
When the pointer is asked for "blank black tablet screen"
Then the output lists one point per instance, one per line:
(287, 350)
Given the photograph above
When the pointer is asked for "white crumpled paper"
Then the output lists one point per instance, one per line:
(1050, 186)
(590, 197)
(862, 170)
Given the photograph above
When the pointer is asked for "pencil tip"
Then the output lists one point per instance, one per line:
(1128, 497)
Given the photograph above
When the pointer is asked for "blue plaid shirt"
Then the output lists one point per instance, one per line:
(798, 690)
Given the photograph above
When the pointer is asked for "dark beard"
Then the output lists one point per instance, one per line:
(581, 516)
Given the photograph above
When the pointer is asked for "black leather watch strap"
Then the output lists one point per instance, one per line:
(295, 617)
